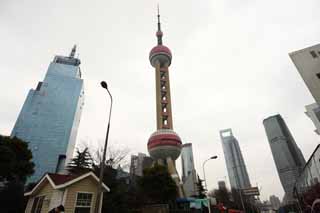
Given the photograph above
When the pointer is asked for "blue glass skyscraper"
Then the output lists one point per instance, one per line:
(50, 115)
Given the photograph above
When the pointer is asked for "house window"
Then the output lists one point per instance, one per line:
(314, 54)
(83, 202)
(37, 204)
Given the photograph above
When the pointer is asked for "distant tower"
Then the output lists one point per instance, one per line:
(189, 175)
(286, 154)
(164, 145)
(187, 162)
(237, 171)
(50, 116)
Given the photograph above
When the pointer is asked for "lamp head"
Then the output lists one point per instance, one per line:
(104, 85)
(214, 157)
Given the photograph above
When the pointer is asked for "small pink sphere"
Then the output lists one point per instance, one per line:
(160, 53)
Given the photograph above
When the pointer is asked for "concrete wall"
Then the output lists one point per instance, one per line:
(307, 62)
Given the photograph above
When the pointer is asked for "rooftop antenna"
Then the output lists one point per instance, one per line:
(73, 51)
(159, 32)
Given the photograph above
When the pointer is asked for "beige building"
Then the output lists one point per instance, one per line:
(76, 193)
(307, 62)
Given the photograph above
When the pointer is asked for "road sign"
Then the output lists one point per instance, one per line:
(252, 191)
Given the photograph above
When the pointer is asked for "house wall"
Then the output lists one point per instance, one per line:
(85, 185)
(47, 190)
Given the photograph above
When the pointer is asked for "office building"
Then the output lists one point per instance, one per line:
(189, 175)
(50, 115)
(286, 154)
(139, 163)
(187, 160)
(237, 171)
(313, 112)
(307, 62)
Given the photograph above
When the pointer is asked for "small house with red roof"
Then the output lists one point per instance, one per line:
(77, 193)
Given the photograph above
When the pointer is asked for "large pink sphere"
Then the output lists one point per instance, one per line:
(160, 53)
(164, 143)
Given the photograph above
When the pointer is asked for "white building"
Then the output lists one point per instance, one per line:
(189, 175)
(313, 112)
(307, 62)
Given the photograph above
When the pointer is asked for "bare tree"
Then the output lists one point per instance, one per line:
(116, 156)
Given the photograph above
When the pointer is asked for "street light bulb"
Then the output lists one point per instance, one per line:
(104, 84)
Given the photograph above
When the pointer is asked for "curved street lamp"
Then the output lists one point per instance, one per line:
(204, 174)
(98, 201)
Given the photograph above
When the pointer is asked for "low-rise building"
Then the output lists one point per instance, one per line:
(76, 193)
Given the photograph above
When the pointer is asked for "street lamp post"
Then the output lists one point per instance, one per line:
(98, 200)
(204, 174)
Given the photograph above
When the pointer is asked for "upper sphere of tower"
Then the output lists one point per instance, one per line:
(161, 54)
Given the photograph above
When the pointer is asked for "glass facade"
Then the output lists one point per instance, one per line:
(237, 171)
(286, 154)
(50, 116)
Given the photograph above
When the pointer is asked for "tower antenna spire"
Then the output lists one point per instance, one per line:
(159, 24)
(159, 32)
(73, 51)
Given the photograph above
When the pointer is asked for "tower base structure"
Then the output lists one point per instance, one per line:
(170, 164)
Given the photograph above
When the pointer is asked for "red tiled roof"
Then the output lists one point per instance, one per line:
(61, 179)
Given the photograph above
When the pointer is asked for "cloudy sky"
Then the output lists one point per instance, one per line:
(230, 69)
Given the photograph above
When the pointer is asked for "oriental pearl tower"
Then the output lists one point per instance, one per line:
(164, 145)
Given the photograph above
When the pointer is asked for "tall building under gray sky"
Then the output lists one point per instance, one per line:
(187, 162)
(50, 115)
(286, 154)
(237, 171)
(189, 175)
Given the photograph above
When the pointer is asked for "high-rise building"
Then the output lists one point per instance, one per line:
(307, 62)
(50, 115)
(139, 163)
(164, 144)
(189, 174)
(313, 112)
(237, 171)
(187, 160)
(275, 202)
(286, 154)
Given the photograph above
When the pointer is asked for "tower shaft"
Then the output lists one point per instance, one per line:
(163, 97)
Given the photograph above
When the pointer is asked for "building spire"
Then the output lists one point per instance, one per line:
(159, 32)
(73, 51)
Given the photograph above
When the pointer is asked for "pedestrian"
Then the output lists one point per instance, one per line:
(58, 209)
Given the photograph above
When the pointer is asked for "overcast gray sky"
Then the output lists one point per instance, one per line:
(230, 69)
